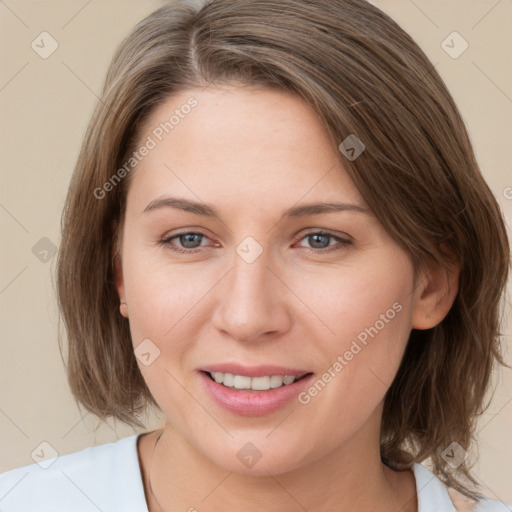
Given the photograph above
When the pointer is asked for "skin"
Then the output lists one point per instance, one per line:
(251, 154)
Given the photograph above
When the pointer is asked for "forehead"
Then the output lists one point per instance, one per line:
(239, 143)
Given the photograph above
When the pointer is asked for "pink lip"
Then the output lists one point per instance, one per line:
(253, 371)
(254, 403)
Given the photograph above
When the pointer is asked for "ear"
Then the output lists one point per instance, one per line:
(436, 289)
(118, 273)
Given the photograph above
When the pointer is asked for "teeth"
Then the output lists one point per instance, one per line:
(254, 383)
(288, 379)
(240, 382)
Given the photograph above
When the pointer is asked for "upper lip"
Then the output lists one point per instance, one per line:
(254, 371)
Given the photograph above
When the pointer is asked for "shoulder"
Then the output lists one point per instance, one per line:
(435, 496)
(464, 504)
(491, 505)
(105, 477)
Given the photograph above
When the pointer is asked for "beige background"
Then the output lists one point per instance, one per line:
(45, 107)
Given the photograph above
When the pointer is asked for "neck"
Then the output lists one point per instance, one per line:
(351, 479)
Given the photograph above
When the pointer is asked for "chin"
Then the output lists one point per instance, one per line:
(247, 459)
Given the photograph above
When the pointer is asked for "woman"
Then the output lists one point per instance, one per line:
(278, 234)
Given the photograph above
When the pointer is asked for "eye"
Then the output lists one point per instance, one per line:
(190, 242)
(319, 241)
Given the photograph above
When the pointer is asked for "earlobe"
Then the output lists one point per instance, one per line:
(434, 296)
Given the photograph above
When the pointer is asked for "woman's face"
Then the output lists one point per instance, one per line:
(266, 281)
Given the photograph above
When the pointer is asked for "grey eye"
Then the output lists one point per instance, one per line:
(188, 240)
(318, 240)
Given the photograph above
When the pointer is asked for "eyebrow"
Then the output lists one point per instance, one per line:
(294, 212)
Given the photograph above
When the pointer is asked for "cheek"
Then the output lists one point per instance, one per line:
(370, 299)
(368, 313)
(162, 295)
(163, 304)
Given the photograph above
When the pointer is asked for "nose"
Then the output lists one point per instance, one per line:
(251, 301)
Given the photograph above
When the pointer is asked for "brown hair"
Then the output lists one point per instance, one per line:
(365, 76)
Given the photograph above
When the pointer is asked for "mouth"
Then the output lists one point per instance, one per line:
(259, 383)
(253, 391)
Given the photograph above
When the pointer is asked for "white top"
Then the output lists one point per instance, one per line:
(107, 478)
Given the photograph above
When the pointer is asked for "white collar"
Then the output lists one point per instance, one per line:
(432, 493)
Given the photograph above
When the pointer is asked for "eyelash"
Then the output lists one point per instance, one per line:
(166, 242)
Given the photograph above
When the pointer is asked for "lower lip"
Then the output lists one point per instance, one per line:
(253, 403)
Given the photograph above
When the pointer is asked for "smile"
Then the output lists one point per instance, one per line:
(257, 395)
(263, 383)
